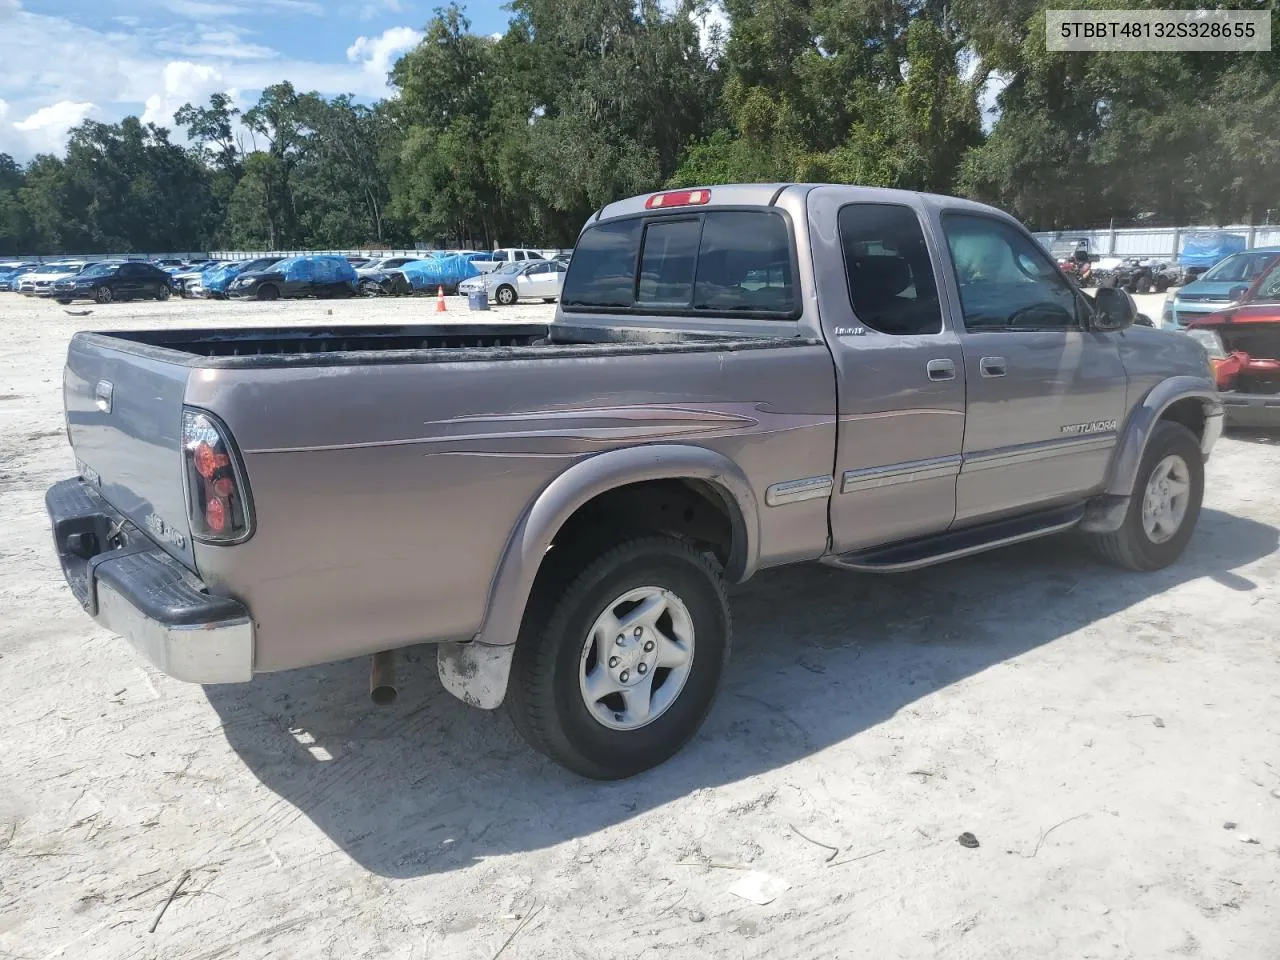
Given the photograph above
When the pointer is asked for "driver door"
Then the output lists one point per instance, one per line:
(1045, 396)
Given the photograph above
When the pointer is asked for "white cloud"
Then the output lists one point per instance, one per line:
(376, 8)
(46, 130)
(713, 16)
(378, 54)
(4, 109)
(184, 82)
(987, 105)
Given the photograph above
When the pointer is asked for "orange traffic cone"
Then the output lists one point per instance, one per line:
(440, 307)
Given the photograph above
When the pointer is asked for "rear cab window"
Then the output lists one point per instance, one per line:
(726, 262)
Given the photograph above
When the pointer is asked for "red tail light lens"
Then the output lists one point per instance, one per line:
(217, 496)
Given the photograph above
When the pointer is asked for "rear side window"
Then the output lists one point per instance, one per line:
(891, 282)
(604, 266)
(722, 262)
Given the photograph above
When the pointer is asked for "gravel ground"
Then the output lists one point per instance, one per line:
(1110, 739)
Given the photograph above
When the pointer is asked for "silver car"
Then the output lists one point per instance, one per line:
(532, 279)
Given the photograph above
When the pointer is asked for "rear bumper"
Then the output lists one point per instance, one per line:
(1251, 409)
(133, 588)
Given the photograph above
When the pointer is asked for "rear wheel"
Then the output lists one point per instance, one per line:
(1165, 504)
(103, 295)
(162, 293)
(617, 666)
(1143, 285)
(268, 291)
(506, 295)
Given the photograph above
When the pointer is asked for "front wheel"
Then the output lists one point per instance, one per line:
(1165, 504)
(506, 295)
(268, 292)
(616, 667)
(103, 295)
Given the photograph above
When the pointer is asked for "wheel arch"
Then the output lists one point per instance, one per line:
(1190, 401)
(600, 476)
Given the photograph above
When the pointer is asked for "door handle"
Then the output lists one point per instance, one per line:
(941, 370)
(993, 366)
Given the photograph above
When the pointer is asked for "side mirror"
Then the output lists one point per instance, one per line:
(1238, 293)
(1113, 309)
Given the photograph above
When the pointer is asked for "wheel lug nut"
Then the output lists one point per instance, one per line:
(648, 647)
(638, 631)
(642, 668)
(614, 661)
(620, 639)
(626, 675)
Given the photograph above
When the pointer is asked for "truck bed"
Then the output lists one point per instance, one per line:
(452, 343)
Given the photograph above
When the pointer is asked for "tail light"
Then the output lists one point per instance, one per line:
(217, 495)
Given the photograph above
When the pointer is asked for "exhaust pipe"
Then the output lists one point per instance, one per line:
(382, 678)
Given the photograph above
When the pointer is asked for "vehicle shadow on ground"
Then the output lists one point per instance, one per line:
(430, 785)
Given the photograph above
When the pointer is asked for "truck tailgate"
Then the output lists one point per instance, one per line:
(124, 417)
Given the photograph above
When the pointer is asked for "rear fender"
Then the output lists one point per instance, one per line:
(509, 591)
(1144, 417)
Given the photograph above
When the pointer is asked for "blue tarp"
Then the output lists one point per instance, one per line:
(446, 271)
(317, 269)
(215, 279)
(1206, 249)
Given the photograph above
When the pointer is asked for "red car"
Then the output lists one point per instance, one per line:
(1244, 349)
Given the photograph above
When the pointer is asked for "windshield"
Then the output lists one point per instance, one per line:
(99, 270)
(1269, 285)
(509, 268)
(1240, 267)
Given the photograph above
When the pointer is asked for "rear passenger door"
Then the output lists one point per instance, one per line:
(1046, 395)
(901, 378)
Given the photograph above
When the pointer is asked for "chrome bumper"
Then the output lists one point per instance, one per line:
(134, 589)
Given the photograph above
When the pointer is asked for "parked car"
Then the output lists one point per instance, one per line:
(1218, 288)
(512, 281)
(9, 272)
(386, 263)
(383, 283)
(486, 262)
(1243, 342)
(105, 282)
(39, 283)
(307, 276)
(214, 281)
(188, 281)
(737, 377)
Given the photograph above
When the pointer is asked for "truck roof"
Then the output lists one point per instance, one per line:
(767, 194)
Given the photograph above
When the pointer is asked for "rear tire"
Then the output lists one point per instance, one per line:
(1143, 542)
(647, 710)
(162, 294)
(268, 292)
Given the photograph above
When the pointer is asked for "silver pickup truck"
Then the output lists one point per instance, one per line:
(737, 377)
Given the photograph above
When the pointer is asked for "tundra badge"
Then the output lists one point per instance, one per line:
(1093, 426)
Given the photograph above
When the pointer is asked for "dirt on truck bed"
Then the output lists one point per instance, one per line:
(1110, 740)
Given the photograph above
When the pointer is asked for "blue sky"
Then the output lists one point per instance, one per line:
(64, 60)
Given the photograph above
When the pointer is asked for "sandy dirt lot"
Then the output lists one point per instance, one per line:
(1097, 732)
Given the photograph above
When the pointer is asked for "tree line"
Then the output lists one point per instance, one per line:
(518, 139)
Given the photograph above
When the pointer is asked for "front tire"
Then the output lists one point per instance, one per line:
(103, 295)
(617, 666)
(1165, 504)
(506, 295)
(268, 292)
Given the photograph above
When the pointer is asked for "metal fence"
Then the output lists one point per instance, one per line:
(1161, 242)
(374, 253)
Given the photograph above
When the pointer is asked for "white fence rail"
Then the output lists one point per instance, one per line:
(1162, 242)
